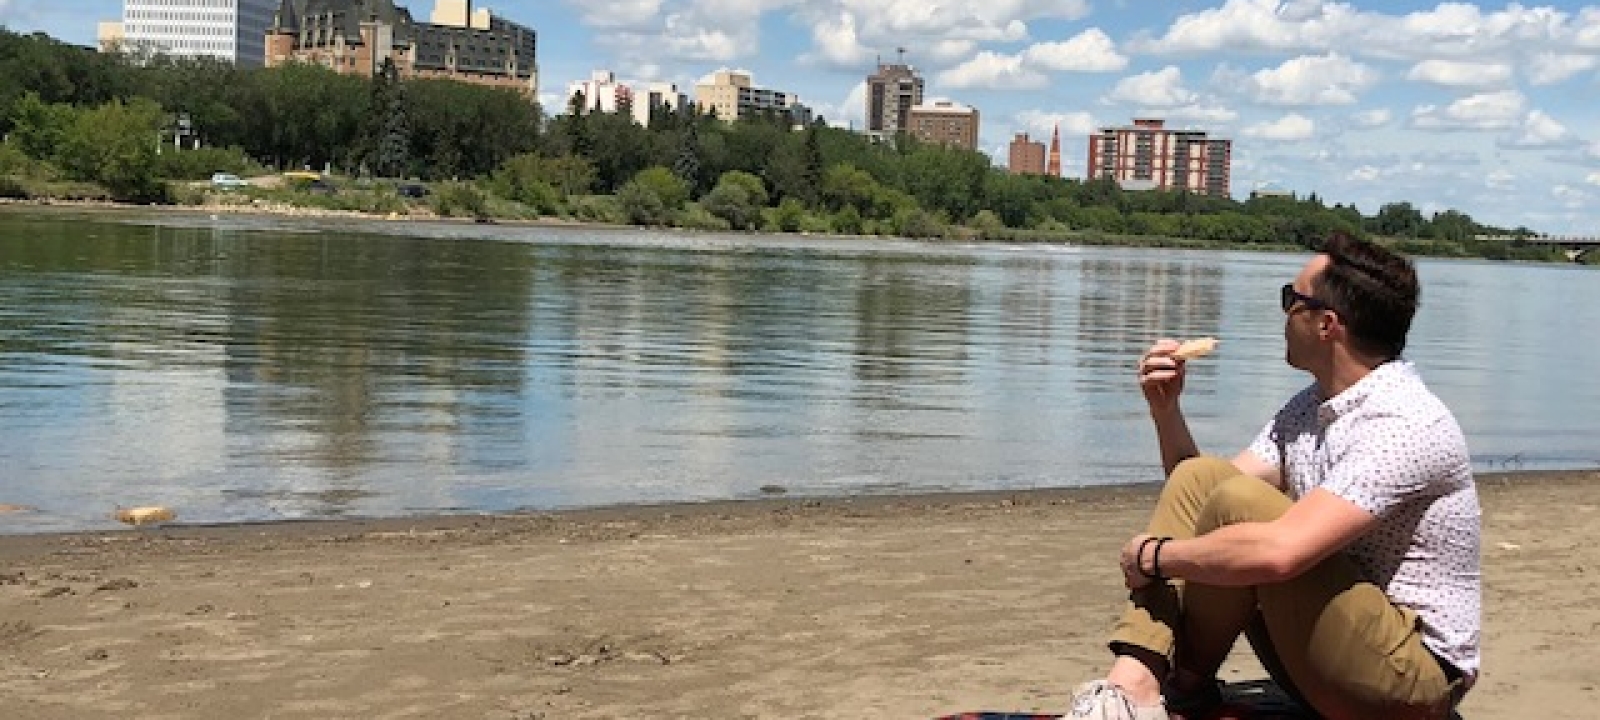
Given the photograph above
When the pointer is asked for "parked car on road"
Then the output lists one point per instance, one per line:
(310, 182)
(227, 181)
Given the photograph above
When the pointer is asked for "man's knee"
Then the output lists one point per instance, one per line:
(1240, 499)
(1204, 466)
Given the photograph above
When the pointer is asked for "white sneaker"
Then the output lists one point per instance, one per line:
(1100, 700)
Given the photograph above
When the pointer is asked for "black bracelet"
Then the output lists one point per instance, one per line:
(1155, 560)
(1138, 557)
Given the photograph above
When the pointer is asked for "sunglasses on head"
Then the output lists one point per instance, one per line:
(1291, 297)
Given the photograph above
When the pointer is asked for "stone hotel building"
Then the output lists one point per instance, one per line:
(354, 37)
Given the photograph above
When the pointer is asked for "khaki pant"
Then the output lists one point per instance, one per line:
(1328, 637)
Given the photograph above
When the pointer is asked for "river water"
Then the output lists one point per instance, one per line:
(244, 369)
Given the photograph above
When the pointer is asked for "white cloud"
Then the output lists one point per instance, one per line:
(991, 70)
(1459, 29)
(1539, 130)
(1450, 30)
(1572, 198)
(851, 112)
(1323, 80)
(1090, 51)
(1552, 68)
(1196, 112)
(1366, 174)
(1484, 111)
(1258, 25)
(683, 40)
(934, 32)
(619, 13)
(1436, 158)
(677, 32)
(947, 51)
(1593, 178)
(1451, 73)
(1500, 179)
(1588, 34)
(1040, 124)
(1373, 118)
(1293, 126)
(1162, 88)
(837, 44)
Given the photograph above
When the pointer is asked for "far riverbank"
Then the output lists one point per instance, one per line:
(283, 205)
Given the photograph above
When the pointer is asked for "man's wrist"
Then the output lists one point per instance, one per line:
(1152, 568)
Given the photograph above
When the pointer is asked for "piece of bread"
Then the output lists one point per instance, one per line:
(145, 515)
(1196, 348)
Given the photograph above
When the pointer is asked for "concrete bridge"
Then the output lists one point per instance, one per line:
(1575, 247)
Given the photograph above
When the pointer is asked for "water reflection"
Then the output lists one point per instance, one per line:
(247, 369)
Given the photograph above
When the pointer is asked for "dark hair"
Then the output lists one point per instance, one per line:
(1373, 289)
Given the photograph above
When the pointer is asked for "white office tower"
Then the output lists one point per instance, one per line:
(234, 30)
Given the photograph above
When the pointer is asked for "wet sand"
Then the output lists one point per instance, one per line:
(899, 607)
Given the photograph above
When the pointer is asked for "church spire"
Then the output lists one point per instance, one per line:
(1054, 168)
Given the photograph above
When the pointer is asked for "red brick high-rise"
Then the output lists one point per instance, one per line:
(1147, 156)
(1027, 156)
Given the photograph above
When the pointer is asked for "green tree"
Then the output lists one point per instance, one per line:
(1013, 197)
(813, 167)
(1453, 226)
(623, 154)
(738, 198)
(1398, 219)
(653, 197)
(387, 136)
(686, 165)
(846, 185)
(946, 180)
(115, 145)
(310, 117)
(38, 128)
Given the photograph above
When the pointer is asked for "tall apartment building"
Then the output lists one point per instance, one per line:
(1026, 157)
(732, 96)
(891, 93)
(945, 123)
(649, 96)
(233, 30)
(603, 93)
(354, 37)
(1146, 155)
(600, 93)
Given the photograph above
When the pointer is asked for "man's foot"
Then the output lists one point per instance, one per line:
(1101, 700)
(1190, 697)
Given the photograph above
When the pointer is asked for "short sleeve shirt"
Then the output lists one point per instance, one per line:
(1392, 448)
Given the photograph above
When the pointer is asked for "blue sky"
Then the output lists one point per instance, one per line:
(1487, 109)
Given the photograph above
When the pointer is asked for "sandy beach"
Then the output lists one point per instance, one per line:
(895, 607)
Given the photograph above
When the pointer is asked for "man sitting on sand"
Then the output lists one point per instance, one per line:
(1343, 542)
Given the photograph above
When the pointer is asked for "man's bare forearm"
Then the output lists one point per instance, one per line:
(1232, 556)
(1172, 432)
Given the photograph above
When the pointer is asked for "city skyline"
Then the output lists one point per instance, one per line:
(1473, 107)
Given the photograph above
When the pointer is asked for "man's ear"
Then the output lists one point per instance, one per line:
(1328, 322)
